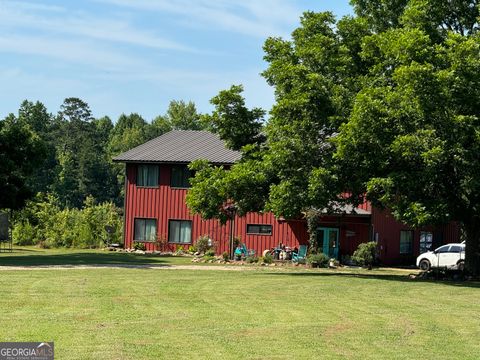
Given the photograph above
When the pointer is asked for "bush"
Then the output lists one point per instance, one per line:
(318, 260)
(268, 258)
(251, 259)
(139, 246)
(225, 256)
(208, 258)
(210, 252)
(23, 234)
(43, 221)
(365, 254)
(203, 243)
(192, 249)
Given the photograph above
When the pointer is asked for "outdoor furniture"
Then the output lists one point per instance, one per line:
(248, 252)
(302, 253)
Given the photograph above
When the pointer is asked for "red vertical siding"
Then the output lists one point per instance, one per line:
(387, 230)
(164, 203)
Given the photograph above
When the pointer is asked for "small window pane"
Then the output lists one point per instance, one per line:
(185, 233)
(150, 230)
(139, 229)
(406, 242)
(145, 230)
(426, 241)
(259, 229)
(147, 175)
(180, 231)
(174, 231)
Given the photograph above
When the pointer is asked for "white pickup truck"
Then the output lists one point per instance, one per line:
(450, 256)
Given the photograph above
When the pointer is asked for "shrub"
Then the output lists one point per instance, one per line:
(208, 258)
(268, 258)
(23, 234)
(192, 249)
(251, 259)
(210, 252)
(225, 256)
(318, 260)
(139, 246)
(43, 221)
(365, 254)
(203, 243)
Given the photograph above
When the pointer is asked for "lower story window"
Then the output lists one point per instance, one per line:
(180, 231)
(259, 229)
(145, 230)
(406, 242)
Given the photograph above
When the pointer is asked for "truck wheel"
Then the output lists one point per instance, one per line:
(461, 265)
(424, 265)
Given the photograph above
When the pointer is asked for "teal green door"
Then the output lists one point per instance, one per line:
(328, 241)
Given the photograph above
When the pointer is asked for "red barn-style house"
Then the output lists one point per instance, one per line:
(157, 181)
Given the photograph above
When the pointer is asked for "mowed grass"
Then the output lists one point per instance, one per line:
(121, 313)
(33, 256)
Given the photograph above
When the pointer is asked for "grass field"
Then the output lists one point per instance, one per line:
(33, 256)
(114, 313)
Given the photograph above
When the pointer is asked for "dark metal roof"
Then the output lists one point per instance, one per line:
(182, 146)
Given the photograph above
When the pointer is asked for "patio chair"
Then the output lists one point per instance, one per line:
(302, 253)
(248, 252)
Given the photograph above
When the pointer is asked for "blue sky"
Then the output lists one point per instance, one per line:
(124, 56)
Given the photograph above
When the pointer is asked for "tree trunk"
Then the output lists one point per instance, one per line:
(472, 250)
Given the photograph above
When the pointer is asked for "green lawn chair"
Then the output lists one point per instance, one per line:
(300, 256)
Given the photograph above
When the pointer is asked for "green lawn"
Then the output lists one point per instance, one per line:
(150, 313)
(33, 256)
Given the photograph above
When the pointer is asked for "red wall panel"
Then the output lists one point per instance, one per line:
(164, 203)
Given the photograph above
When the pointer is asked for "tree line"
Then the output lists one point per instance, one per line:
(69, 154)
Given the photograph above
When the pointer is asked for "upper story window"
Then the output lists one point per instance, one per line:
(180, 176)
(147, 175)
(259, 229)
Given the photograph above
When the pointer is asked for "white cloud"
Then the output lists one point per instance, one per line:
(71, 51)
(16, 15)
(261, 18)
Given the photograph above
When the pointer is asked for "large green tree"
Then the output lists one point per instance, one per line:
(83, 163)
(234, 123)
(383, 104)
(21, 152)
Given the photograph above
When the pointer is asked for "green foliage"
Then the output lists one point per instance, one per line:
(252, 259)
(366, 254)
(139, 246)
(42, 221)
(232, 120)
(182, 116)
(203, 244)
(382, 104)
(210, 253)
(192, 249)
(225, 256)
(318, 260)
(267, 259)
(21, 152)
